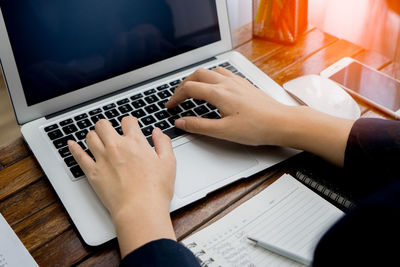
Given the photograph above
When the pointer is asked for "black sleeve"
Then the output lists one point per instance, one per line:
(372, 155)
(162, 252)
(368, 235)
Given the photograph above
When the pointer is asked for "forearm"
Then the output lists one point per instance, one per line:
(317, 133)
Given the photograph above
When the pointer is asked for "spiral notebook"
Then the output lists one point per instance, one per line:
(286, 214)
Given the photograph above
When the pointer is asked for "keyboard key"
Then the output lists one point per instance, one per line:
(174, 132)
(225, 64)
(66, 122)
(136, 97)
(122, 101)
(111, 113)
(55, 134)
(121, 117)
(109, 106)
(172, 89)
(164, 94)
(177, 82)
(138, 113)
(76, 171)
(212, 107)
(114, 123)
(240, 74)
(84, 124)
(119, 130)
(138, 103)
(70, 161)
(148, 120)
(162, 115)
(70, 129)
(51, 128)
(81, 117)
(188, 114)
(81, 134)
(125, 109)
(232, 68)
(95, 112)
(211, 115)
(199, 102)
(173, 119)
(162, 125)
(90, 154)
(149, 92)
(175, 110)
(188, 104)
(96, 118)
(151, 99)
(150, 140)
(64, 152)
(147, 130)
(201, 110)
(62, 142)
(162, 87)
(82, 145)
(151, 109)
(162, 103)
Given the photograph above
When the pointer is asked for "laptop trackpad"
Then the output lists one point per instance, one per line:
(207, 161)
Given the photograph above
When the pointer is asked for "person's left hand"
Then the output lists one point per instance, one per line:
(134, 182)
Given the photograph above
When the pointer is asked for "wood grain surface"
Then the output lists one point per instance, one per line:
(32, 208)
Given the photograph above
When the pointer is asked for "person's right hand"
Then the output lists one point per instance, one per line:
(249, 116)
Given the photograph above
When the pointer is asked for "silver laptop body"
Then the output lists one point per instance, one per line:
(203, 164)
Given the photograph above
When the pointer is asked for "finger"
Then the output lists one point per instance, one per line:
(210, 127)
(83, 159)
(106, 132)
(225, 72)
(205, 76)
(162, 144)
(95, 144)
(201, 75)
(191, 89)
(130, 127)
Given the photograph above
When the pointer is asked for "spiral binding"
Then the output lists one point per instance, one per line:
(328, 193)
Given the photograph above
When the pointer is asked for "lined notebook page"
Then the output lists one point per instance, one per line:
(286, 214)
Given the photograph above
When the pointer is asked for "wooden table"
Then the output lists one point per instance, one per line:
(33, 210)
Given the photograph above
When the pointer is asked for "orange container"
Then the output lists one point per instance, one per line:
(280, 20)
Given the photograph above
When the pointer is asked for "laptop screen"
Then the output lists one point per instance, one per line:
(61, 46)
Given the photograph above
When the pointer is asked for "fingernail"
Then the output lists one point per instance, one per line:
(157, 131)
(70, 142)
(180, 123)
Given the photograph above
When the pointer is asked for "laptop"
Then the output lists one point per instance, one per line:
(68, 64)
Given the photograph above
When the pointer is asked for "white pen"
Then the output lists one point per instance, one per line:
(282, 252)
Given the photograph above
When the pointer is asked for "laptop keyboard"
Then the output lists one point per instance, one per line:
(148, 107)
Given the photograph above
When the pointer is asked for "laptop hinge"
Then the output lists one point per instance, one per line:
(58, 113)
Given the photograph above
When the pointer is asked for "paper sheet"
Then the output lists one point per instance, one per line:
(286, 214)
(12, 251)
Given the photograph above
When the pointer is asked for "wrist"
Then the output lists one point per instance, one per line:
(279, 125)
(316, 132)
(141, 223)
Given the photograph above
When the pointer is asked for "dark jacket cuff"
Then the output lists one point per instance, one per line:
(162, 252)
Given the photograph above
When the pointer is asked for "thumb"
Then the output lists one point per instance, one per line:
(210, 127)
